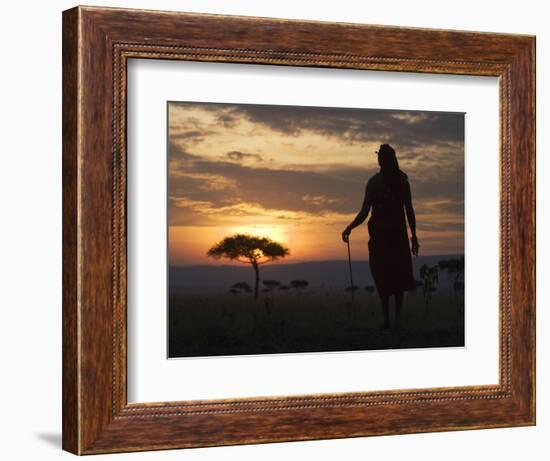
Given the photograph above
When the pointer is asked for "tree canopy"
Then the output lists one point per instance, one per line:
(299, 284)
(248, 249)
(242, 286)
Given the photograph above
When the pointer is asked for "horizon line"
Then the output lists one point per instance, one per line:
(280, 263)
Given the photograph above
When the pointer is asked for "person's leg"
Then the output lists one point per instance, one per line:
(398, 308)
(386, 310)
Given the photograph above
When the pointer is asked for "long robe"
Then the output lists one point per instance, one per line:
(389, 252)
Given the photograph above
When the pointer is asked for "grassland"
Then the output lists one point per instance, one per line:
(312, 320)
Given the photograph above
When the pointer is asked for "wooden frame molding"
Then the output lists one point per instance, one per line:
(97, 44)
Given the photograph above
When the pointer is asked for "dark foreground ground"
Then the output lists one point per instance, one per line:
(314, 320)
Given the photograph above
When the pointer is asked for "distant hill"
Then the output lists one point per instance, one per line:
(320, 274)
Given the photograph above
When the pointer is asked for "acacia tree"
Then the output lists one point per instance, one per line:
(249, 249)
(454, 267)
(271, 285)
(299, 284)
(242, 286)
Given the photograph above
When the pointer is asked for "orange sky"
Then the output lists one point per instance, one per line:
(297, 175)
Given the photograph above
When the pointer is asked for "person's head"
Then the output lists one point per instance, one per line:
(392, 175)
(387, 159)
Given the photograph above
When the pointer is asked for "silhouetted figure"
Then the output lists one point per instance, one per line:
(388, 195)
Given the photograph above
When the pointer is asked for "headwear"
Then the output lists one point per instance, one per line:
(386, 149)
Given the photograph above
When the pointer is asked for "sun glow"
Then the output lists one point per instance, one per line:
(277, 233)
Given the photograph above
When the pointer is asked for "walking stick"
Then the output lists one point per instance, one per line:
(352, 286)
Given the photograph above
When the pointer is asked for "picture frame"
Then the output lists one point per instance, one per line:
(97, 44)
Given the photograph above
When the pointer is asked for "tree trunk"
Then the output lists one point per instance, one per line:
(257, 282)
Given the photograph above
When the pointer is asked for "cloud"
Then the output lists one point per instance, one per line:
(189, 137)
(227, 119)
(227, 182)
(206, 187)
(217, 176)
(411, 117)
(404, 128)
(239, 156)
(319, 200)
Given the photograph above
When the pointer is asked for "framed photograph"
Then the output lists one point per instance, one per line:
(280, 199)
(281, 230)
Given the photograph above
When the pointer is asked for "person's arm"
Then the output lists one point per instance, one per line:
(411, 218)
(361, 216)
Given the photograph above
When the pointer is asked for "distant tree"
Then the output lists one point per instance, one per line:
(369, 289)
(242, 286)
(352, 288)
(454, 268)
(271, 284)
(299, 285)
(249, 249)
(430, 281)
(234, 291)
(284, 287)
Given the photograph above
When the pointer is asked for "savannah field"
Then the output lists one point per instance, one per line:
(320, 317)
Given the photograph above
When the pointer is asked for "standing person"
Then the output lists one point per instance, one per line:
(388, 194)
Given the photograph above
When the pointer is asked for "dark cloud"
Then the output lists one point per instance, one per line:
(228, 120)
(405, 129)
(239, 156)
(190, 136)
(441, 225)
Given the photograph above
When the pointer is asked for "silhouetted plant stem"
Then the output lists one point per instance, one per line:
(257, 279)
